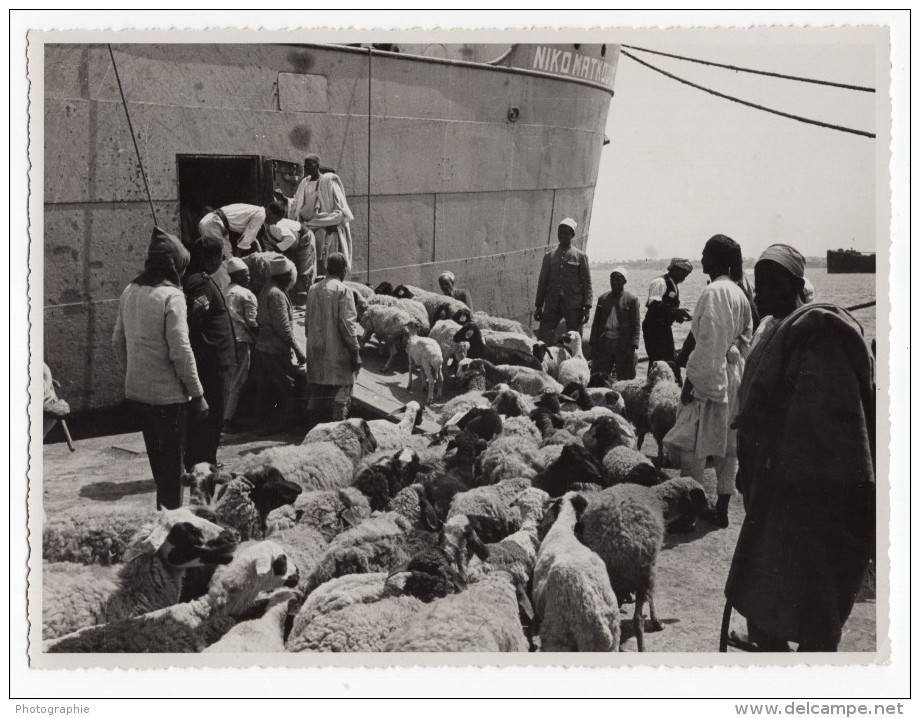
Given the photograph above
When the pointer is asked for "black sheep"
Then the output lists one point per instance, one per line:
(496, 355)
(575, 465)
(485, 422)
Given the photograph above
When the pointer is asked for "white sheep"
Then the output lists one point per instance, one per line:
(550, 357)
(391, 436)
(578, 421)
(191, 627)
(521, 378)
(500, 324)
(415, 309)
(315, 467)
(352, 436)
(575, 606)
(259, 635)
(392, 326)
(356, 612)
(76, 596)
(575, 368)
(621, 461)
(625, 526)
(663, 403)
(425, 356)
(508, 458)
(443, 333)
(438, 306)
(507, 340)
(483, 618)
(329, 512)
(93, 533)
(522, 427)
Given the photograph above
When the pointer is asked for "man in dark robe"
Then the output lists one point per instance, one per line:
(806, 450)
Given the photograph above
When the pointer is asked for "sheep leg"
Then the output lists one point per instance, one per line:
(409, 383)
(653, 623)
(429, 380)
(638, 621)
(439, 381)
(660, 466)
(386, 367)
(639, 438)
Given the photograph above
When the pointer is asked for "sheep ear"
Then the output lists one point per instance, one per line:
(187, 479)
(348, 516)
(429, 517)
(579, 503)
(149, 544)
(476, 544)
(524, 604)
(263, 564)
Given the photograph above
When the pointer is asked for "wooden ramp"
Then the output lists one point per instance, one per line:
(381, 393)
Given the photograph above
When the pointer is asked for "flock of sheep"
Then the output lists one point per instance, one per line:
(522, 525)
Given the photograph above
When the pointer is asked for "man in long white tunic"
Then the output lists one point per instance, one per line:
(722, 327)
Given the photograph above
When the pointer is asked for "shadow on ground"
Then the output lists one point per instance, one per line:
(113, 491)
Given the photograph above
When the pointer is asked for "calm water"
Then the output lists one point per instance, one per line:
(841, 289)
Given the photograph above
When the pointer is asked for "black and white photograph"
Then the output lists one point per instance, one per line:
(530, 348)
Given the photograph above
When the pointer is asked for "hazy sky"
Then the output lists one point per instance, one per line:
(683, 165)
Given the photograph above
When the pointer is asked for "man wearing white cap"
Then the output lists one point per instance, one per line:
(276, 340)
(615, 330)
(664, 309)
(243, 308)
(564, 288)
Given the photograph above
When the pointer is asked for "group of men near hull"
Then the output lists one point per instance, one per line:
(564, 292)
(779, 392)
(305, 228)
(186, 336)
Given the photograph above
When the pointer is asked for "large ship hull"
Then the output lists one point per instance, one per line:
(464, 165)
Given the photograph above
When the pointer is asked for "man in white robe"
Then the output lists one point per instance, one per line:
(722, 326)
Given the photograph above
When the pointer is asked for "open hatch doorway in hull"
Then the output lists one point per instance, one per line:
(214, 181)
(218, 180)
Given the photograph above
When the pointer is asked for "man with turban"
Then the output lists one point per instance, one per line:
(446, 281)
(722, 327)
(564, 288)
(151, 344)
(663, 309)
(806, 451)
(615, 330)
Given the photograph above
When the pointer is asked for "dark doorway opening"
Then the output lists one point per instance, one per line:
(214, 181)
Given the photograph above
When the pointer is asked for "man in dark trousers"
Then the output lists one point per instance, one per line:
(615, 330)
(663, 310)
(214, 345)
(564, 289)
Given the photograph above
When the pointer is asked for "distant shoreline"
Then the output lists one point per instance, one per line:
(813, 262)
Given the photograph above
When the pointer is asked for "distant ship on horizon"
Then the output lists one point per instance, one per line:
(850, 261)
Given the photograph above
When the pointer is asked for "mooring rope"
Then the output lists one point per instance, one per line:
(137, 151)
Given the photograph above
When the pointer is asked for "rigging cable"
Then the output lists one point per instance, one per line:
(137, 151)
(841, 85)
(788, 115)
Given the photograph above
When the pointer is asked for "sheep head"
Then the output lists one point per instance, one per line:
(459, 539)
(403, 292)
(571, 341)
(683, 501)
(258, 566)
(202, 481)
(659, 371)
(575, 465)
(270, 491)
(462, 316)
(183, 540)
(384, 288)
(466, 332)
